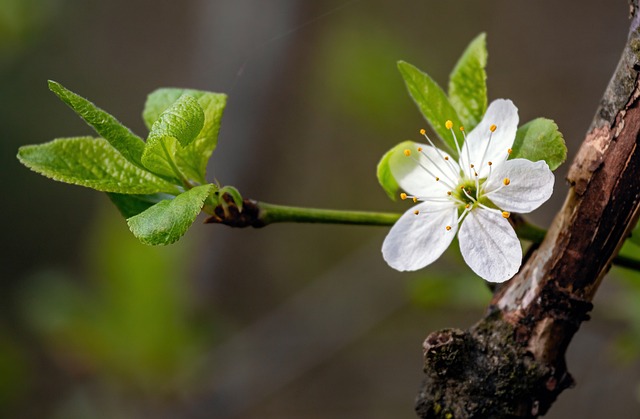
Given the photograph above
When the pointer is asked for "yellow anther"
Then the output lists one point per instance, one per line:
(448, 124)
(449, 193)
(506, 214)
(415, 199)
(472, 166)
(416, 212)
(448, 228)
(437, 179)
(509, 151)
(461, 128)
(506, 181)
(423, 131)
(419, 149)
(467, 206)
(492, 128)
(407, 152)
(446, 157)
(489, 163)
(462, 188)
(403, 196)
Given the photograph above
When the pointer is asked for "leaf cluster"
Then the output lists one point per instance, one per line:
(158, 184)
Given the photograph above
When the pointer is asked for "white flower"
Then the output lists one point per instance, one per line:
(476, 194)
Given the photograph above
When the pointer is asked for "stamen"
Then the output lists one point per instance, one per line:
(414, 199)
(403, 196)
(492, 129)
(420, 149)
(477, 184)
(424, 167)
(472, 166)
(416, 212)
(423, 131)
(449, 178)
(461, 128)
(506, 181)
(407, 152)
(446, 158)
(449, 126)
(505, 214)
(467, 195)
(509, 151)
(437, 179)
(449, 193)
(448, 228)
(467, 208)
(464, 135)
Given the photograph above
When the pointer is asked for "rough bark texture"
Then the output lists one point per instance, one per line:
(511, 364)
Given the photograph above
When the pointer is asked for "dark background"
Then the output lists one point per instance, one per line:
(292, 321)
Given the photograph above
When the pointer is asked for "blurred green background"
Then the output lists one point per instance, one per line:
(292, 321)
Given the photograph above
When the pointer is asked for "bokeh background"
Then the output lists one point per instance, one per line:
(291, 321)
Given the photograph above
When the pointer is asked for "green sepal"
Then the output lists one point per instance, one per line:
(468, 83)
(130, 205)
(193, 159)
(385, 177)
(91, 162)
(165, 222)
(432, 102)
(120, 137)
(233, 193)
(540, 139)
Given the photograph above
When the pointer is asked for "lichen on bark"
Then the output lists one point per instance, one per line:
(484, 372)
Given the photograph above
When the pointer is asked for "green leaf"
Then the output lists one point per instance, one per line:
(108, 127)
(130, 205)
(175, 128)
(385, 177)
(167, 221)
(193, 160)
(159, 157)
(91, 162)
(183, 121)
(432, 102)
(540, 140)
(468, 83)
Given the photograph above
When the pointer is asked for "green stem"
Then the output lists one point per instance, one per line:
(627, 262)
(530, 232)
(270, 213)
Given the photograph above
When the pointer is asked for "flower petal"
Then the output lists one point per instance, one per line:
(415, 241)
(417, 173)
(530, 185)
(504, 115)
(489, 245)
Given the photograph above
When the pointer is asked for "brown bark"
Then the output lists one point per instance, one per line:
(511, 364)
